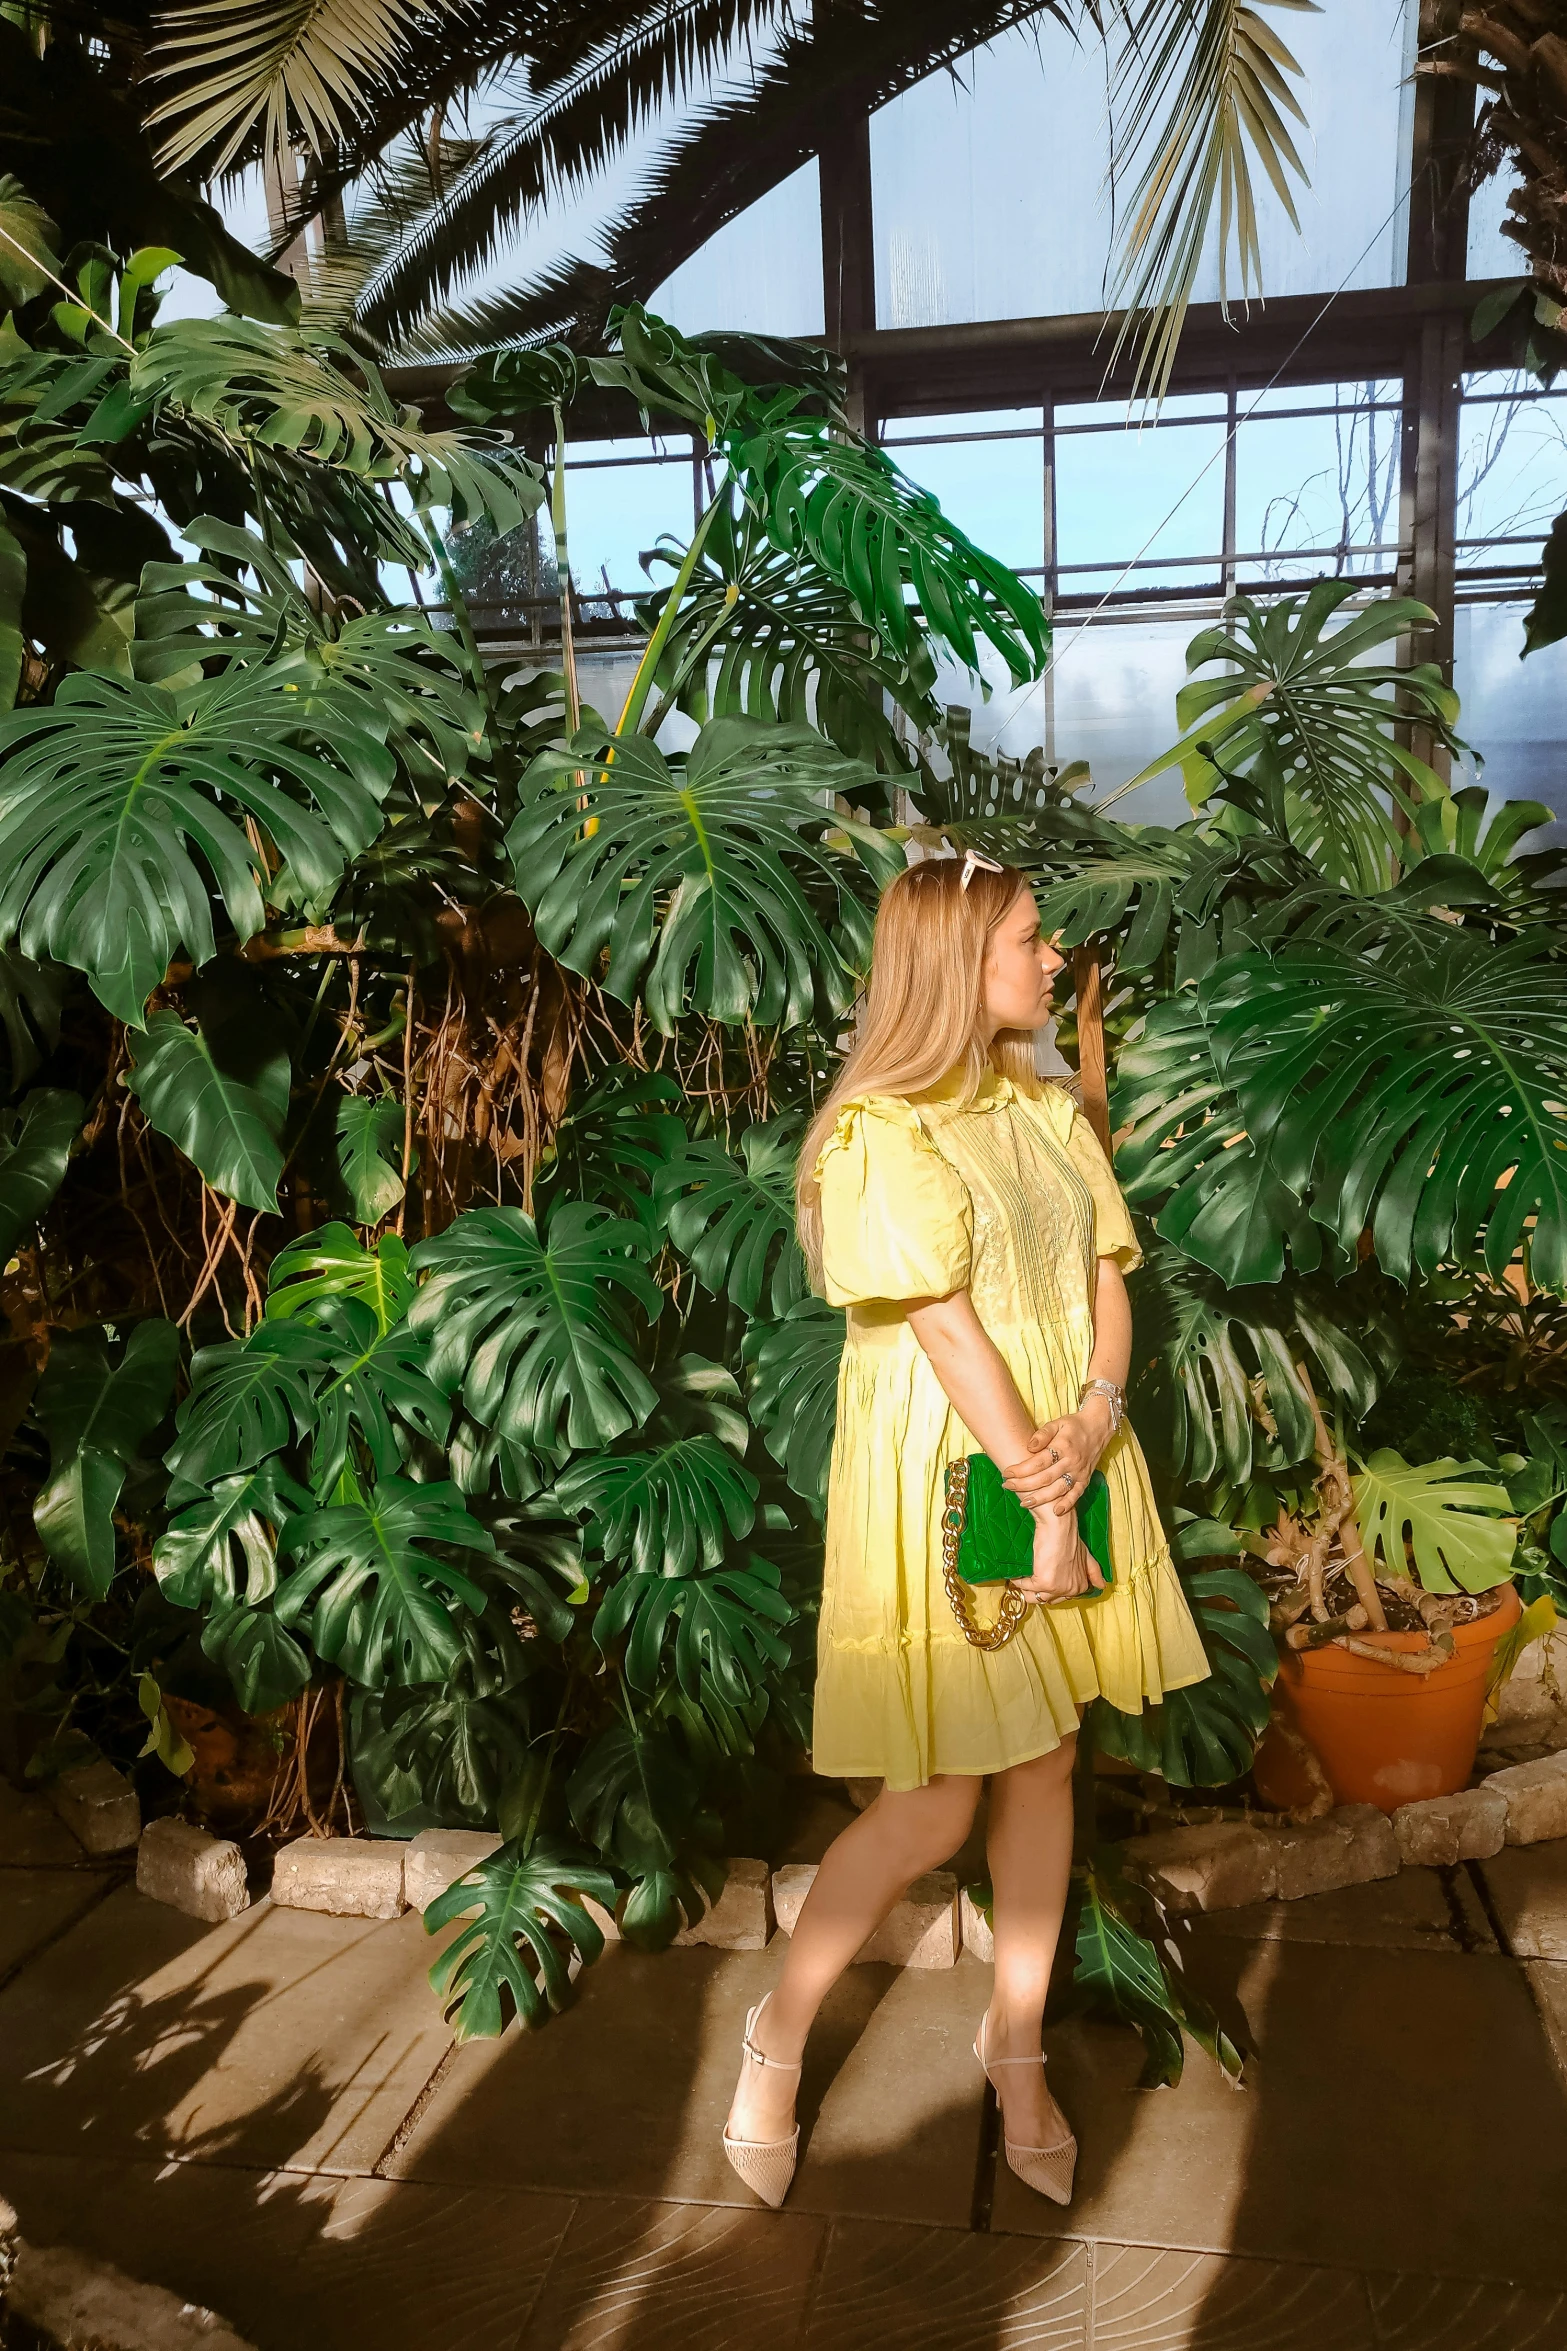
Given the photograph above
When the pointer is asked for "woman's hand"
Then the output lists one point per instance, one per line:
(1062, 1457)
(1063, 1568)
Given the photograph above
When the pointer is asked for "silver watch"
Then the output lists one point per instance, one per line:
(1115, 1396)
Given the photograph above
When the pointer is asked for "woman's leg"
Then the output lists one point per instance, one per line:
(1030, 1851)
(866, 1870)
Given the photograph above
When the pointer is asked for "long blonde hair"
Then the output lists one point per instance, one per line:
(923, 1009)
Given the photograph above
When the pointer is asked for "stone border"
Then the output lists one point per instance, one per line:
(1233, 1863)
(1223, 1866)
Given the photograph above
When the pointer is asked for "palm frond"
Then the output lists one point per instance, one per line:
(303, 71)
(1228, 71)
(737, 144)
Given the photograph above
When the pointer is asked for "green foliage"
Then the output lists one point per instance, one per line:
(1417, 1093)
(1122, 1973)
(372, 1592)
(703, 875)
(109, 794)
(1204, 1736)
(513, 1908)
(725, 1627)
(1439, 1517)
(1312, 722)
(637, 1802)
(734, 1217)
(531, 1331)
(794, 1392)
(35, 1143)
(670, 1511)
(370, 1154)
(189, 1084)
(97, 1405)
(219, 1554)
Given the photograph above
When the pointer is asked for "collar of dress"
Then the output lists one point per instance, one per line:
(994, 1092)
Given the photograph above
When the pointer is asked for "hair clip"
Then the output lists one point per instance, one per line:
(973, 863)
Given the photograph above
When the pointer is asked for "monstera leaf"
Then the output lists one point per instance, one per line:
(1206, 1735)
(332, 1263)
(724, 1625)
(1299, 705)
(35, 1143)
(122, 805)
(32, 998)
(733, 1218)
(703, 876)
(1214, 1359)
(1418, 1093)
(615, 1138)
(379, 1381)
(794, 1392)
(843, 504)
(220, 1554)
(370, 1592)
(96, 1407)
(391, 668)
(516, 1908)
(220, 1096)
(1422, 1094)
(249, 1398)
(672, 1510)
(1122, 1973)
(1445, 1516)
(635, 1800)
(370, 1131)
(757, 636)
(533, 1332)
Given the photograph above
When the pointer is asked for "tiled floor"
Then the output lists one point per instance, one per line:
(267, 2117)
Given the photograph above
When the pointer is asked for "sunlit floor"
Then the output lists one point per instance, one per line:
(267, 2117)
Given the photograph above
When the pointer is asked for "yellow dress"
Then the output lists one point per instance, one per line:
(1010, 1196)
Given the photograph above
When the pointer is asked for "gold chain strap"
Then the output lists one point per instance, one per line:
(1013, 1606)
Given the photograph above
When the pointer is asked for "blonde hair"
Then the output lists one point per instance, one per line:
(923, 1010)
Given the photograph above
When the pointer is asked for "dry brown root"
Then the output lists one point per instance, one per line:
(1415, 1661)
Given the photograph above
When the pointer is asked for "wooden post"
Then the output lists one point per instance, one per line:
(1092, 1068)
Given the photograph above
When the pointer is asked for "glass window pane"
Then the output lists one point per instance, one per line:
(615, 513)
(1155, 494)
(983, 420)
(1317, 485)
(1511, 708)
(1109, 698)
(1491, 254)
(1512, 470)
(1309, 396)
(1179, 407)
(990, 181)
(761, 274)
(994, 490)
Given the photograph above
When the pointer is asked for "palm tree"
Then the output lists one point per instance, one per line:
(368, 91)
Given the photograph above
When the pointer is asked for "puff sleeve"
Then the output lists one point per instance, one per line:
(1113, 1234)
(897, 1220)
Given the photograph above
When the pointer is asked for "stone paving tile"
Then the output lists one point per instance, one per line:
(1439, 2314)
(626, 2092)
(1147, 2300)
(301, 2264)
(946, 2290)
(675, 2278)
(33, 1836)
(280, 2037)
(1410, 1912)
(1367, 2061)
(35, 1904)
(1528, 1889)
(1547, 1980)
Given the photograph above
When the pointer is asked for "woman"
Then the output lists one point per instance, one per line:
(965, 1215)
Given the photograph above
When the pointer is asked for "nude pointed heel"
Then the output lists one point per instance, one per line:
(765, 2165)
(1047, 2170)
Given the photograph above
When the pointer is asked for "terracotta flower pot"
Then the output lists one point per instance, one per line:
(1383, 1737)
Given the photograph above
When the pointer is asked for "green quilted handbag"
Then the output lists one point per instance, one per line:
(988, 1538)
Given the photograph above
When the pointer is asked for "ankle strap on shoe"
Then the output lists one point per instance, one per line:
(758, 2057)
(1039, 2060)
